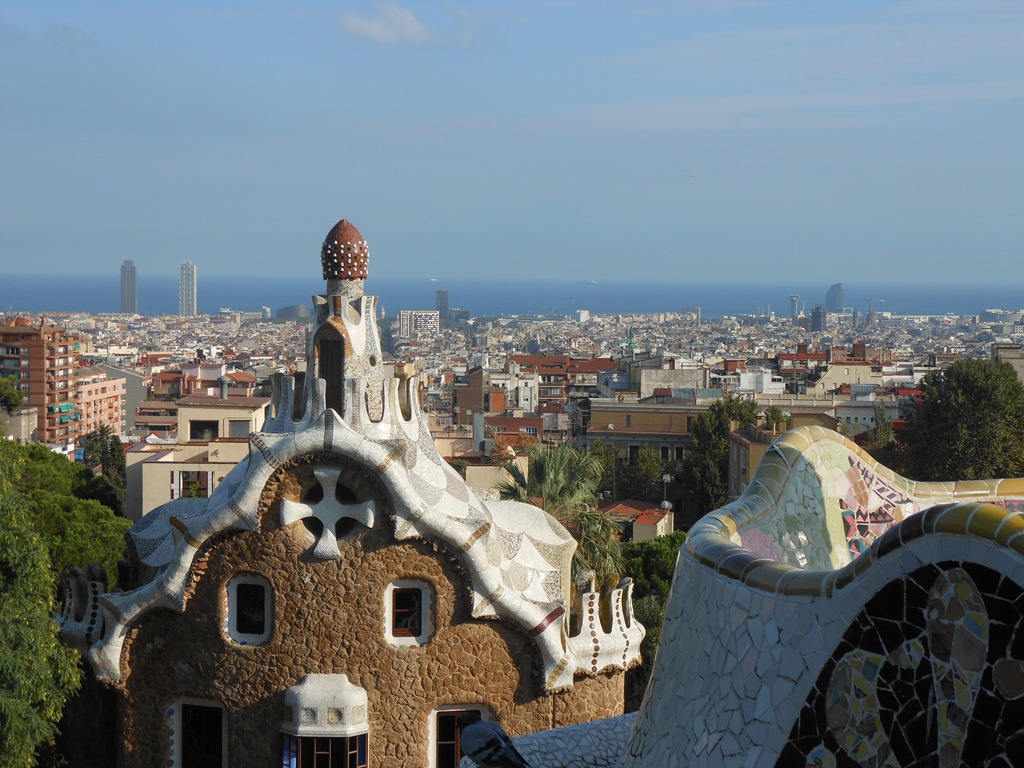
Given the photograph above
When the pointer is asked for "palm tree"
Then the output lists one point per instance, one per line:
(562, 481)
(97, 446)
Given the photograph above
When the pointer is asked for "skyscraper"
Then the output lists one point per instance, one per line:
(819, 319)
(794, 306)
(187, 290)
(442, 303)
(129, 293)
(834, 298)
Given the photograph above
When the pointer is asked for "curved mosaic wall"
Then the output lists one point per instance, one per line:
(838, 614)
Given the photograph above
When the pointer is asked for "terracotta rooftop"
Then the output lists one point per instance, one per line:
(344, 254)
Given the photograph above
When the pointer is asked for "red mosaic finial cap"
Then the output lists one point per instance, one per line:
(344, 254)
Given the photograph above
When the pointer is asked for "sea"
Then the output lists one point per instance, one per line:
(158, 295)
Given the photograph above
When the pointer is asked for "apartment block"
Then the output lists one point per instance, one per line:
(100, 400)
(44, 360)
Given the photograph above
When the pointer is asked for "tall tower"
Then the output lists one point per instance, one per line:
(819, 319)
(443, 305)
(345, 351)
(794, 305)
(834, 298)
(187, 290)
(129, 294)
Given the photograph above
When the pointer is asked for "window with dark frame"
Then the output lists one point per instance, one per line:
(203, 430)
(202, 736)
(250, 608)
(448, 744)
(407, 612)
(325, 751)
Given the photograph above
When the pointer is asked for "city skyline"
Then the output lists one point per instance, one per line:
(688, 141)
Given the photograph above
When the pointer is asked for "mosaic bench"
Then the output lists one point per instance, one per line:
(838, 614)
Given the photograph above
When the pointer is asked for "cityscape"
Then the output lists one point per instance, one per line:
(512, 385)
(188, 397)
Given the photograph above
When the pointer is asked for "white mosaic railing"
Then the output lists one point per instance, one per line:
(757, 653)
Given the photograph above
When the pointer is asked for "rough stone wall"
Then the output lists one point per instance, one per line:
(328, 617)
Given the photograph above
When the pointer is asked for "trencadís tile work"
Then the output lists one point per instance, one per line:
(838, 614)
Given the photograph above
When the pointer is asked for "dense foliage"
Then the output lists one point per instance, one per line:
(651, 565)
(968, 424)
(63, 504)
(102, 450)
(10, 396)
(706, 469)
(37, 674)
(639, 480)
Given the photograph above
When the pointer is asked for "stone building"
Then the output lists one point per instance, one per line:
(343, 595)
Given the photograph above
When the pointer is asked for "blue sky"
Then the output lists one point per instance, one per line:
(709, 140)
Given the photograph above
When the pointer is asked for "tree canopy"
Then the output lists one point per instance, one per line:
(706, 469)
(651, 564)
(641, 479)
(102, 450)
(63, 502)
(968, 424)
(37, 673)
(10, 396)
(562, 479)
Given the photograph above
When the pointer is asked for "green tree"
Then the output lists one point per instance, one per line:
(707, 463)
(606, 455)
(773, 415)
(968, 424)
(652, 563)
(706, 482)
(649, 611)
(37, 673)
(743, 411)
(43, 469)
(76, 532)
(641, 479)
(102, 449)
(562, 481)
(58, 497)
(597, 545)
(11, 397)
(709, 433)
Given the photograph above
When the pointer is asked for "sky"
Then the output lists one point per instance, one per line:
(687, 141)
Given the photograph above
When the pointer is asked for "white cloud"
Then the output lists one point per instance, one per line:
(392, 25)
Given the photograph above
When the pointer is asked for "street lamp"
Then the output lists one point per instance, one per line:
(665, 480)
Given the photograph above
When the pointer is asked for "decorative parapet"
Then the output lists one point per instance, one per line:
(833, 611)
(596, 648)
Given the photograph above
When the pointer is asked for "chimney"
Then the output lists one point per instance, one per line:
(225, 382)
